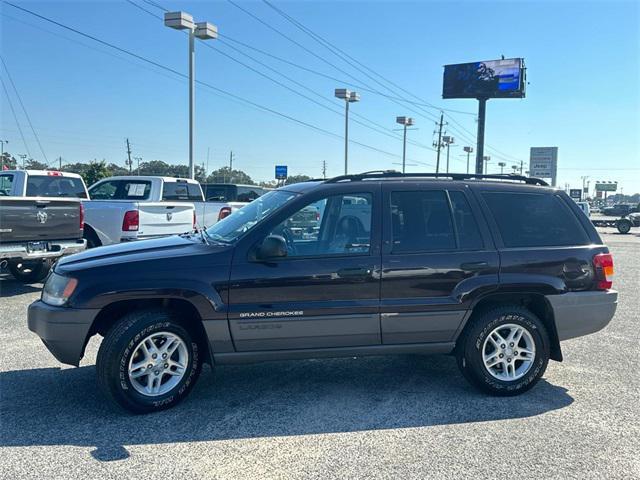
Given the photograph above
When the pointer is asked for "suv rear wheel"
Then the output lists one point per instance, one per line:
(148, 361)
(504, 351)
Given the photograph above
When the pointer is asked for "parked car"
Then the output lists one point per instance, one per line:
(426, 265)
(128, 208)
(619, 210)
(41, 219)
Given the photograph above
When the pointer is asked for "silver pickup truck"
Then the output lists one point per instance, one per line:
(41, 219)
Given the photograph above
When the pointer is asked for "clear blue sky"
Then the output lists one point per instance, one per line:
(84, 99)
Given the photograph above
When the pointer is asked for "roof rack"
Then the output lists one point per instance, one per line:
(453, 176)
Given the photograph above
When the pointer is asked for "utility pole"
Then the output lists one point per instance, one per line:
(485, 160)
(129, 155)
(439, 144)
(521, 166)
(59, 163)
(585, 186)
(324, 169)
(138, 159)
(230, 165)
(23, 157)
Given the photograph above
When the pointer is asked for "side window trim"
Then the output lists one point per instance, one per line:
(454, 223)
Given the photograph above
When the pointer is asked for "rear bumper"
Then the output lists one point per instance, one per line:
(56, 249)
(63, 330)
(581, 313)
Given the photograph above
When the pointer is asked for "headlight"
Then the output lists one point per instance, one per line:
(58, 289)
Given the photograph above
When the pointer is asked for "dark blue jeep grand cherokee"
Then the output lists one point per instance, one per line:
(496, 270)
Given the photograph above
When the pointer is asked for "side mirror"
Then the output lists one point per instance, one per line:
(274, 246)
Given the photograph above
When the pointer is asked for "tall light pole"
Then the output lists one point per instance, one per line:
(486, 159)
(2, 142)
(203, 31)
(348, 97)
(502, 165)
(138, 169)
(469, 151)
(405, 122)
(448, 140)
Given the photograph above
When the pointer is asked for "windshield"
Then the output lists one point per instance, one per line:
(241, 221)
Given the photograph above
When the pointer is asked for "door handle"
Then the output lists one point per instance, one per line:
(354, 272)
(472, 266)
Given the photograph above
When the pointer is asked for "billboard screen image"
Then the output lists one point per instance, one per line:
(490, 79)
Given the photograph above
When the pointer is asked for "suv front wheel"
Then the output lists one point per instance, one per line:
(504, 351)
(148, 361)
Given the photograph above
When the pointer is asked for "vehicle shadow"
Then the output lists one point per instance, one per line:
(50, 406)
(10, 287)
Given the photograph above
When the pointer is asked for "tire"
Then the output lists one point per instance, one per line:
(526, 369)
(624, 226)
(121, 348)
(30, 271)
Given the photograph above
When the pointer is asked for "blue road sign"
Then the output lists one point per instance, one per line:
(281, 172)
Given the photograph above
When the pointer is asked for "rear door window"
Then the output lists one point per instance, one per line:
(55, 186)
(121, 190)
(534, 220)
(421, 222)
(181, 192)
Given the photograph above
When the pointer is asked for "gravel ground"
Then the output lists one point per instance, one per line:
(378, 417)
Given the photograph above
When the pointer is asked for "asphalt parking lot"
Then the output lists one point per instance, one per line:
(377, 417)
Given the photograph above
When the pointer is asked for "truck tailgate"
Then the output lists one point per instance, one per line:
(39, 218)
(164, 218)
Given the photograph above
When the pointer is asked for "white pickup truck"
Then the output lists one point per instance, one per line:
(131, 208)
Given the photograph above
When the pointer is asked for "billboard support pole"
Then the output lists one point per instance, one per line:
(482, 113)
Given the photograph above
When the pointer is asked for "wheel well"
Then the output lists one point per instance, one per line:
(184, 311)
(90, 232)
(535, 302)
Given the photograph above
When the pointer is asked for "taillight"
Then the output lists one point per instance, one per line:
(131, 221)
(603, 263)
(224, 213)
(81, 216)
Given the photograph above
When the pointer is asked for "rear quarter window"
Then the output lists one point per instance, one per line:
(534, 220)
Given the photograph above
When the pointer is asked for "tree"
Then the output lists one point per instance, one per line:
(296, 179)
(226, 175)
(32, 164)
(8, 161)
(95, 172)
(116, 170)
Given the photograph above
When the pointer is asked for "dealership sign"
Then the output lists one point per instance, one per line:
(543, 162)
(606, 186)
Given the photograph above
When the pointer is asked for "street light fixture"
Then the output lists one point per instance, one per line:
(448, 140)
(203, 31)
(405, 122)
(502, 165)
(486, 159)
(469, 151)
(348, 97)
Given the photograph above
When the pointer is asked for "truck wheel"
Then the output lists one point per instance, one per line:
(148, 361)
(91, 237)
(504, 351)
(624, 226)
(30, 271)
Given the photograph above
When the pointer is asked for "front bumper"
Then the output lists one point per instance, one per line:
(581, 313)
(63, 330)
(56, 249)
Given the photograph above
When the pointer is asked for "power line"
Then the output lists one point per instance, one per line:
(205, 84)
(26, 114)
(15, 116)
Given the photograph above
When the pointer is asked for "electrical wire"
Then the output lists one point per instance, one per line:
(26, 114)
(15, 117)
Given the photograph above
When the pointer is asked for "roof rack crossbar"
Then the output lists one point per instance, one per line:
(454, 176)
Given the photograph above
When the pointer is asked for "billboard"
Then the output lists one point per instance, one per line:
(491, 79)
(576, 194)
(606, 186)
(543, 162)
